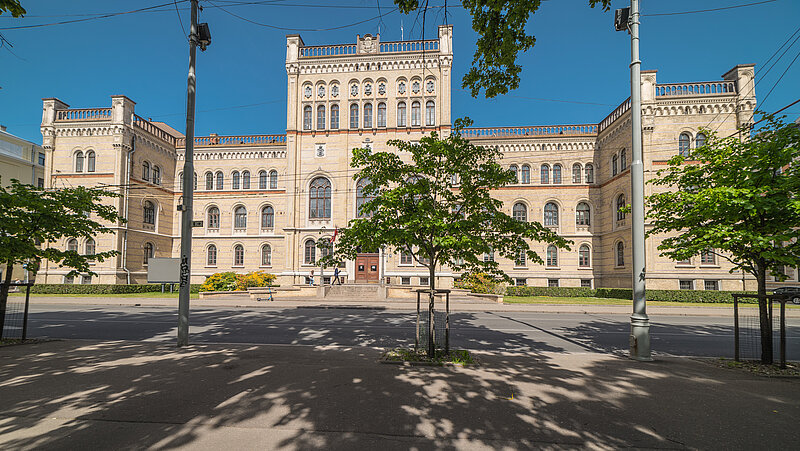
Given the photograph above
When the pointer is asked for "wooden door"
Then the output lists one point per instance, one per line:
(367, 268)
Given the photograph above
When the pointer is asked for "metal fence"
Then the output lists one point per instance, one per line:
(15, 325)
(747, 328)
(441, 322)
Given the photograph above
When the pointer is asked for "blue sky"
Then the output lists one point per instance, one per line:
(579, 64)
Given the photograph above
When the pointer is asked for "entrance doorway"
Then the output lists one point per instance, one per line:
(367, 268)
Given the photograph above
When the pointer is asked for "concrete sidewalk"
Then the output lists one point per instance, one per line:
(457, 306)
(123, 395)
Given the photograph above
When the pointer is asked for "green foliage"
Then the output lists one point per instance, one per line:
(480, 283)
(502, 34)
(456, 356)
(12, 6)
(433, 199)
(626, 293)
(58, 288)
(230, 281)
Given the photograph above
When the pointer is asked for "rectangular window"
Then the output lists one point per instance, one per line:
(86, 280)
(685, 262)
(687, 284)
(586, 283)
(40, 182)
(707, 257)
(552, 282)
(406, 258)
(424, 281)
(711, 285)
(335, 117)
(520, 282)
(326, 280)
(405, 281)
(41, 159)
(69, 280)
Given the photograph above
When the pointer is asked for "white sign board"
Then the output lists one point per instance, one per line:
(163, 270)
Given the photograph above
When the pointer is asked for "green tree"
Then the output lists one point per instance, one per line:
(12, 6)
(433, 199)
(739, 199)
(502, 34)
(33, 219)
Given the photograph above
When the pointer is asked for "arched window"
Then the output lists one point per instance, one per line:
(90, 247)
(430, 113)
(577, 172)
(361, 198)
(235, 180)
(699, 140)
(180, 181)
(149, 213)
(589, 173)
(583, 214)
(149, 252)
(213, 218)
(79, 161)
(156, 175)
(614, 161)
(354, 115)
(416, 120)
(220, 180)
(262, 179)
(209, 181)
(245, 179)
(320, 198)
(266, 255)
(620, 254)
(401, 114)
(267, 217)
(334, 116)
(620, 206)
(273, 179)
(552, 256)
(146, 171)
(320, 117)
(381, 115)
(307, 117)
(515, 170)
(550, 214)
(545, 171)
(584, 256)
(240, 218)
(683, 144)
(520, 212)
(521, 258)
(623, 160)
(211, 255)
(238, 255)
(707, 257)
(525, 174)
(556, 174)
(367, 115)
(72, 245)
(194, 184)
(310, 252)
(90, 161)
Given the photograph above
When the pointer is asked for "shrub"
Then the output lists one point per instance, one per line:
(58, 288)
(550, 291)
(480, 283)
(626, 293)
(230, 281)
(221, 281)
(254, 279)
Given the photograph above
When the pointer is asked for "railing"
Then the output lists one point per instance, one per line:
(148, 127)
(408, 46)
(241, 140)
(546, 130)
(84, 114)
(328, 50)
(616, 114)
(695, 89)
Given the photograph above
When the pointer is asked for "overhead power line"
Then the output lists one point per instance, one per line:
(103, 16)
(709, 10)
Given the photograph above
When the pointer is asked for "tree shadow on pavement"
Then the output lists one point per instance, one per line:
(113, 394)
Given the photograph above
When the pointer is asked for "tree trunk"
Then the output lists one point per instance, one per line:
(763, 314)
(431, 324)
(4, 296)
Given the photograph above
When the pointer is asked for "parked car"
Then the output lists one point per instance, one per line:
(792, 291)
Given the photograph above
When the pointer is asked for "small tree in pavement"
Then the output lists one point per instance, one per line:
(433, 200)
(33, 219)
(739, 199)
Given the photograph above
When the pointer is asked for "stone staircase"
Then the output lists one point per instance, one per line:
(376, 292)
(355, 292)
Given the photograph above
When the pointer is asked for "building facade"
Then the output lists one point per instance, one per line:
(266, 200)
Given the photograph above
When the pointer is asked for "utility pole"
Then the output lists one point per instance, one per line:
(188, 191)
(640, 323)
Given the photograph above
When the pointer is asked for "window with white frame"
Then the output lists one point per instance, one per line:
(623, 160)
(310, 256)
(552, 283)
(353, 115)
(273, 179)
(149, 213)
(235, 180)
(683, 144)
(589, 169)
(320, 198)
(266, 255)
(525, 174)
(89, 247)
(334, 117)
(211, 255)
(416, 119)
(711, 285)
(320, 117)
(209, 181)
(146, 171)
(556, 174)
(245, 179)
(401, 114)
(262, 179)
(520, 212)
(707, 257)
(614, 162)
(90, 161)
(79, 161)
(307, 117)
(584, 256)
(620, 260)
(687, 285)
(381, 115)
(240, 218)
(238, 255)
(213, 218)
(267, 217)
(430, 113)
(513, 168)
(220, 180)
(577, 171)
(620, 206)
(149, 252)
(583, 214)
(545, 174)
(550, 214)
(367, 115)
(552, 256)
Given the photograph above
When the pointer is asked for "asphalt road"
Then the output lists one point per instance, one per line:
(499, 331)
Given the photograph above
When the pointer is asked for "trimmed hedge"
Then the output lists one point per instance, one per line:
(627, 293)
(59, 288)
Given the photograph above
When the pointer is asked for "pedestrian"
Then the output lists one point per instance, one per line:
(311, 278)
(336, 276)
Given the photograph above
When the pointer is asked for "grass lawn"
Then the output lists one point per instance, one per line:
(609, 301)
(117, 295)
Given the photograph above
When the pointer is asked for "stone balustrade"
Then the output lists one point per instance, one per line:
(696, 88)
(408, 46)
(616, 114)
(515, 132)
(146, 126)
(316, 51)
(83, 114)
(237, 140)
(327, 50)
